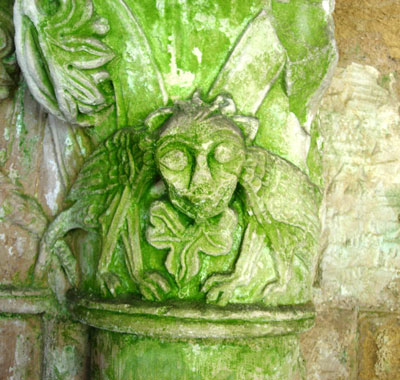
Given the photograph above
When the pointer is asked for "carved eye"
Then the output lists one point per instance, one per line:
(224, 153)
(175, 160)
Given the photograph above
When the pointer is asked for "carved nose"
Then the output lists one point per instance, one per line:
(201, 175)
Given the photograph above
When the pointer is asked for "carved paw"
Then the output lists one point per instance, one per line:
(220, 288)
(153, 286)
(109, 282)
(273, 288)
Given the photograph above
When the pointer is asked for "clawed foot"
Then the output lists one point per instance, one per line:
(273, 288)
(220, 288)
(109, 283)
(153, 286)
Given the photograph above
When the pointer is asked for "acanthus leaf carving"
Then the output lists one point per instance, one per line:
(62, 57)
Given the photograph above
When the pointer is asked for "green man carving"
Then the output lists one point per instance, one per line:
(207, 192)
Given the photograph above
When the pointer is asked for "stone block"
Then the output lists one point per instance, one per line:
(366, 33)
(360, 262)
(20, 348)
(66, 350)
(329, 349)
(379, 347)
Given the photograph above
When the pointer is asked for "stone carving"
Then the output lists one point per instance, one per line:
(201, 200)
(20, 209)
(62, 57)
(195, 186)
(8, 64)
(167, 195)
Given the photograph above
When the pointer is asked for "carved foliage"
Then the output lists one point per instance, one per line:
(185, 241)
(220, 197)
(62, 57)
(8, 65)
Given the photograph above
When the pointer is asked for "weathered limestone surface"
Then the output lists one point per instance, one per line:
(367, 33)
(360, 240)
(40, 157)
(359, 267)
(330, 348)
(65, 350)
(21, 347)
(359, 246)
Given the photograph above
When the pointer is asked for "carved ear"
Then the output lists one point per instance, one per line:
(225, 104)
(248, 125)
(157, 118)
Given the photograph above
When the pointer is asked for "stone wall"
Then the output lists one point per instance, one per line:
(357, 289)
(357, 331)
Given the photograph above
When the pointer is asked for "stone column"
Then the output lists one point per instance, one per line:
(180, 180)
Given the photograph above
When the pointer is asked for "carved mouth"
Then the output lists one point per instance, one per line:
(201, 206)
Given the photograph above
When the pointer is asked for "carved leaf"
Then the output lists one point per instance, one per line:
(62, 58)
(97, 53)
(213, 237)
(167, 227)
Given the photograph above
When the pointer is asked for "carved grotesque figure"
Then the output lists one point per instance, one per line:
(200, 157)
(193, 187)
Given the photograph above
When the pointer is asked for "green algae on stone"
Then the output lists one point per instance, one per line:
(8, 67)
(260, 62)
(143, 358)
(195, 187)
(305, 29)
(198, 183)
(248, 64)
(221, 42)
(61, 55)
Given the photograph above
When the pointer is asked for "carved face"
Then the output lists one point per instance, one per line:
(200, 162)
